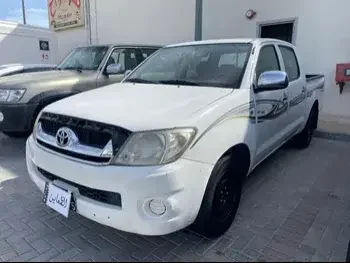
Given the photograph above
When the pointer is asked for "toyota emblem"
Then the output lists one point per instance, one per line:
(63, 136)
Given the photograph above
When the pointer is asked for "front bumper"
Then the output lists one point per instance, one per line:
(180, 186)
(16, 117)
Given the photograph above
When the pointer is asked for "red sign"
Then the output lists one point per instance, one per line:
(342, 73)
(53, 4)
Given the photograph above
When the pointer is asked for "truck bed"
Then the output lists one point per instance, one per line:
(314, 82)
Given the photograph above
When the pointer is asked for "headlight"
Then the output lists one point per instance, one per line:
(155, 147)
(11, 95)
(36, 127)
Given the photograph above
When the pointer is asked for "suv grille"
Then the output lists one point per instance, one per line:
(97, 195)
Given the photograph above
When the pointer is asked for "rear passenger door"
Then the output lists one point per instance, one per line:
(271, 106)
(296, 88)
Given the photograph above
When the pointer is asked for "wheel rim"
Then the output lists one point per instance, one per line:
(224, 199)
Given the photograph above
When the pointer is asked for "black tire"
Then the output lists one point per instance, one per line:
(17, 134)
(304, 138)
(221, 199)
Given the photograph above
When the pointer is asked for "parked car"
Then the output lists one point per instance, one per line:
(171, 145)
(22, 97)
(14, 69)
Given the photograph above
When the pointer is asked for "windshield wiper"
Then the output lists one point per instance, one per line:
(179, 82)
(138, 80)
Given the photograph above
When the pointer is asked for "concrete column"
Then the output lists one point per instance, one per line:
(198, 20)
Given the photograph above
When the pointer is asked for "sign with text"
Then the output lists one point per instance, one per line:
(65, 14)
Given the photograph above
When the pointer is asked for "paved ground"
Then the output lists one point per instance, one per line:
(296, 206)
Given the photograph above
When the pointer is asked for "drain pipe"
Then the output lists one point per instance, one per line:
(88, 20)
(198, 20)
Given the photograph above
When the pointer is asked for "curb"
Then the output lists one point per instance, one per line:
(344, 137)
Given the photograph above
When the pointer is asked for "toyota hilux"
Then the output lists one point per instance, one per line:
(171, 145)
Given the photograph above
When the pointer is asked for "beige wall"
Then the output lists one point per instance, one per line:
(322, 35)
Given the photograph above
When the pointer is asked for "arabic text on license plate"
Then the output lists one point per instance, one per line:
(57, 198)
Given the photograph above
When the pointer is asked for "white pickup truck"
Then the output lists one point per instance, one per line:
(170, 146)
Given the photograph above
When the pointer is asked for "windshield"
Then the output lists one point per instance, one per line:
(84, 58)
(216, 65)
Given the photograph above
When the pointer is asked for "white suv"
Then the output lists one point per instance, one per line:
(171, 145)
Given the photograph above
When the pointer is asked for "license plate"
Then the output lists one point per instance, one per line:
(57, 198)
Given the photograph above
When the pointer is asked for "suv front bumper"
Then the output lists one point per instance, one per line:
(16, 117)
(180, 186)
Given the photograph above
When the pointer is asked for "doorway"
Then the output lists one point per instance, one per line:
(282, 31)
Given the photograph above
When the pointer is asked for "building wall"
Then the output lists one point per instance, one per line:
(322, 35)
(132, 21)
(20, 44)
(146, 22)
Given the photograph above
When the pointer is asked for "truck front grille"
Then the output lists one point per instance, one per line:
(91, 133)
(97, 195)
(94, 136)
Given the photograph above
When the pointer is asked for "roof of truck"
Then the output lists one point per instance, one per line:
(123, 45)
(228, 41)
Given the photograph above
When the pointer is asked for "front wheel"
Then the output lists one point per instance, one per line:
(221, 199)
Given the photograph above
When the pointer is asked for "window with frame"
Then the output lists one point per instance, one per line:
(267, 60)
(126, 57)
(290, 62)
(146, 52)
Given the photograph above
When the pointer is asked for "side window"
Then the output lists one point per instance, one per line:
(146, 52)
(126, 57)
(267, 61)
(290, 62)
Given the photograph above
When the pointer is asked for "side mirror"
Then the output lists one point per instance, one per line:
(272, 80)
(114, 69)
(127, 72)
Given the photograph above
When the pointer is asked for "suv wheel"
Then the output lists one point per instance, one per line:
(221, 199)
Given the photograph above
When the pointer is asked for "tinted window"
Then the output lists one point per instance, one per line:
(126, 57)
(147, 52)
(267, 61)
(290, 63)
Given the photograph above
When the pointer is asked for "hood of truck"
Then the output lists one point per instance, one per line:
(139, 107)
(38, 82)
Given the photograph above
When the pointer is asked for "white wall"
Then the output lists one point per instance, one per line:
(145, 22)
(322, 35)
(158, 22)
(69, 39)
(20, 44)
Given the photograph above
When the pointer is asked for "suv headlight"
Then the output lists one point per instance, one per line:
(36, 127)
(11, 95)
(155, 147)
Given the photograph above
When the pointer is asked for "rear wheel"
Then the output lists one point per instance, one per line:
(304, 138)
(221, 199)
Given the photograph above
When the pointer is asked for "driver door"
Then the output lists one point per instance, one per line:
(271, 107)
(125, 57)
